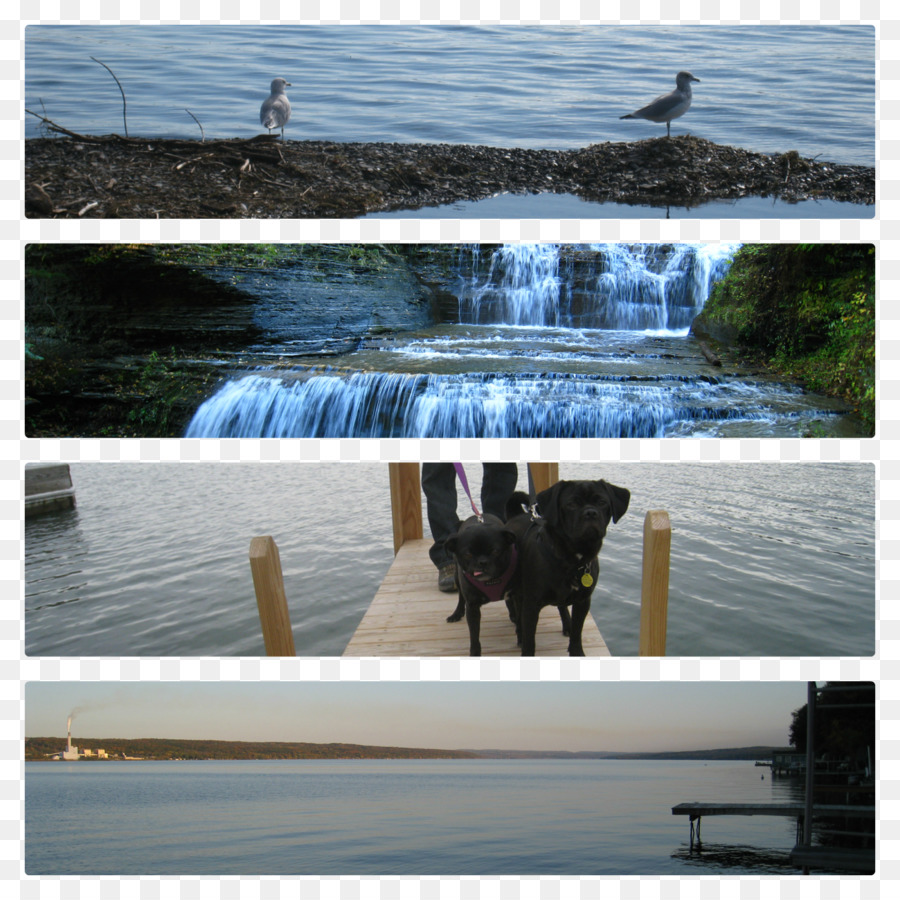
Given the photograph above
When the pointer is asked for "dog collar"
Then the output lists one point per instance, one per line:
(583, 576)
(495, 589)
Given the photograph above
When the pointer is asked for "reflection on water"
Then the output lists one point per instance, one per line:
(459, 817)
(767, 560)
(715, 858)
(568, 206)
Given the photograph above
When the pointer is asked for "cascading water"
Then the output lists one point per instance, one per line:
(586, 341)
(521, 287)
(625, 287)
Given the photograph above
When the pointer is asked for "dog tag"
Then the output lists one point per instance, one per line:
(586, 579)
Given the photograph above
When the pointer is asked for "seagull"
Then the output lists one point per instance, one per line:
(668, 106)
(276, 110)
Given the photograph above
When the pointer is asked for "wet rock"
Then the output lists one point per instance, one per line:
(714, 331)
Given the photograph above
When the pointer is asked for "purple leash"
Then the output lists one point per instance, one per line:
(461, 473)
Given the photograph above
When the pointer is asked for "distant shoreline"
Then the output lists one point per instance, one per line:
(40, 749)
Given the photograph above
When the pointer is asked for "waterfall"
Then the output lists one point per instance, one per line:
(493, 405)
(522, 287)
(321, 404)
(626, 287)
(584, 342)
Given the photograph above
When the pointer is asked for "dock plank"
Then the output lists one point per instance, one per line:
(408, 617)
(696, 810)
(48, 488)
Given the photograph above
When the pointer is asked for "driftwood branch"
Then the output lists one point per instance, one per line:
(711, 357)
(54, 127)
(121, 91)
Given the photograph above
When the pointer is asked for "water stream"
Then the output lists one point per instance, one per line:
(548, 341)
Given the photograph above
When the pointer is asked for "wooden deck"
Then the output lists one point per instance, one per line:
(697, 810)
(408, 617)
(48, 487)
(803, 856)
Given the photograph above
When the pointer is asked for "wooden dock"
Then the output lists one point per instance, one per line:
(408, 617)
(697, 810)
(792, 810)
(48, 487)
(803, 855)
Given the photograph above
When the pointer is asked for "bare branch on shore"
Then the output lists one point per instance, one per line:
(202, 135)
(121, 91)
(54, 127)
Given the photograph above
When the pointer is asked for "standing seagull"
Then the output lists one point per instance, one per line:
(276, 110)
(669, 106)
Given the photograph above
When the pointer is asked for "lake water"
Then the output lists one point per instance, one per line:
(398, 817)
(763, 88)
(568, 206)
(767, 559)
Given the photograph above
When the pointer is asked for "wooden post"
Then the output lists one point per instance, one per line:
(543, 475)
(655, 583)
(812, 698)
(265, 564)
(406, 503)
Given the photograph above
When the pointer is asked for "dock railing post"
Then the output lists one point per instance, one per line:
(265, 564)
(406, 503)
(543, 475)
(655, 583)
(810, 780)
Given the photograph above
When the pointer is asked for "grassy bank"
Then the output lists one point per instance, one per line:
(807, 311)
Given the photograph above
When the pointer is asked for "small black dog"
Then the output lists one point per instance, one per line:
(486, 558)
(558, 563)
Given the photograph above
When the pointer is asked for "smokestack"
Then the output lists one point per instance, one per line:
(69, 734)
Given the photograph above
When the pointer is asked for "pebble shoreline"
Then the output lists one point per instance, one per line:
(263, 178)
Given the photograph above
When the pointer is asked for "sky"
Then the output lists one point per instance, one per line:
(617, 716)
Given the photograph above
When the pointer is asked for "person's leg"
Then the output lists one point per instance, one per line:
(439, 487)
(498, 483)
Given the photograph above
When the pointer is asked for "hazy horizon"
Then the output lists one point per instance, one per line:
(616, 717)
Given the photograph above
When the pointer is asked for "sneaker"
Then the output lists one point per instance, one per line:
(447, 578)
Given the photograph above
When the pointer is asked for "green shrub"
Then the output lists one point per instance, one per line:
(809, 311)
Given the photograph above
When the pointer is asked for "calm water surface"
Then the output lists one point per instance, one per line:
(568, 206)
(764, 88)
(447, 817)
(767, 559)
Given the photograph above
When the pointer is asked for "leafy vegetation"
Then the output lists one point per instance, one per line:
(807, 310)
(843, 729)
(263, 256)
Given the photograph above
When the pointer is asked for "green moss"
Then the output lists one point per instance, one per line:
(261, 256)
